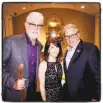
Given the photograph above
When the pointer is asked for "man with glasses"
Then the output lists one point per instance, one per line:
(22, 49)
(82, 67)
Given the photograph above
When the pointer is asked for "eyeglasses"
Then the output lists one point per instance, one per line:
(71, 36)
(39, 26)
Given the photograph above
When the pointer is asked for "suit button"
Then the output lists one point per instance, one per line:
(32, 54)
(32, 70)
(32, 62)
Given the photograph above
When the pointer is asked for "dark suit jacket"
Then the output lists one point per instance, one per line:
(83, 73)
(14, 53)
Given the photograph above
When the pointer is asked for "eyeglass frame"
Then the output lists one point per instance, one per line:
(71, 36)
(40, 26)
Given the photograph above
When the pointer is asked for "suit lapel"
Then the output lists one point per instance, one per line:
(38, 57)
(24, 55)
(64, 60)
(77, 52)
(39, 47)
(65, 66)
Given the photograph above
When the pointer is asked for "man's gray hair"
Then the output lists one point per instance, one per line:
(35, 15)
(68, 26)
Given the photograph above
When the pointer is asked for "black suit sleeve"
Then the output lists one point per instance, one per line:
(94, 63)
(8, 79)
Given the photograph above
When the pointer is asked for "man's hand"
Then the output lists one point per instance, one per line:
(19, 84)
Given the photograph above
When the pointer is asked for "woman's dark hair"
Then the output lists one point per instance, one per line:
(56, 43)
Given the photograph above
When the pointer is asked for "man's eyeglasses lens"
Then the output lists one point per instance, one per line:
(34, 25)
(71, 36)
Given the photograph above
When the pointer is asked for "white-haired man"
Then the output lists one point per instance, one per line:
(82, 67)
(22, 49)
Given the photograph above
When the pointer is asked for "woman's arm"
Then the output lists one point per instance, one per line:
(42, 69)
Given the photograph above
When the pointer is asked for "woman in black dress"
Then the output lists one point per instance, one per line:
(50, 72)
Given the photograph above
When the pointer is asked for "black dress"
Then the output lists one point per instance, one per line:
(53, 81)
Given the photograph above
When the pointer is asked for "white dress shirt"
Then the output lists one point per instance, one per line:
(70, 53)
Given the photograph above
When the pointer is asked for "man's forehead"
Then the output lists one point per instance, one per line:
(36, 21)
(71, 30)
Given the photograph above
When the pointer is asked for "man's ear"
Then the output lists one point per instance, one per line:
(26, 25)
(78, 35)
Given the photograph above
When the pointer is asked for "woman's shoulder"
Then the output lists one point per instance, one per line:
(43, 64)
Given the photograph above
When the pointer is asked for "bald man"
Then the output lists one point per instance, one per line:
(22, 49)
(82, 67)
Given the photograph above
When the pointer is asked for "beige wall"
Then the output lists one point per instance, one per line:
(85, 22)
(97, 30)
(7, 26)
